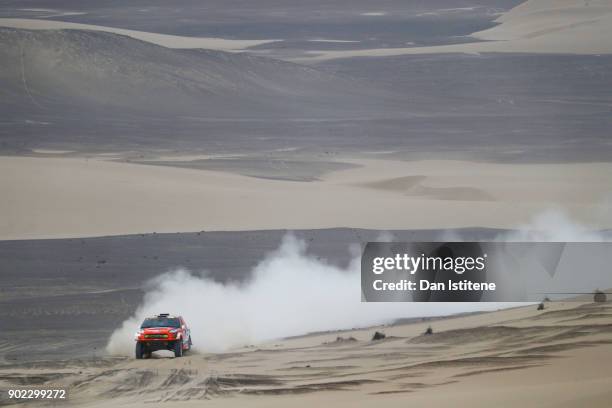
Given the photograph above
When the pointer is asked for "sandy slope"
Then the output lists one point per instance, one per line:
(519, 357)
(68, 197)
(165, 40)
(536, 26)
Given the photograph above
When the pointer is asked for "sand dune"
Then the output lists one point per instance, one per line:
(520, 356)
(72, 197)
(412, 185)
(568, 26)
(103, 89)
(136, 77)
(165, 40)
(536, 26)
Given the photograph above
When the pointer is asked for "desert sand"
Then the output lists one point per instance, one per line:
(165, 40)
(61, 299)
(536, 26)
(46, 197)
(557, 357)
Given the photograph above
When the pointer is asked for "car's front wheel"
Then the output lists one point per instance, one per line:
(178, 348)
(140, 350)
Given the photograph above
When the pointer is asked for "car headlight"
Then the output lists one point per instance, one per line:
(173, 331)
(137, 334)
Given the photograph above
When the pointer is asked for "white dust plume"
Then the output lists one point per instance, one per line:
(289, 293)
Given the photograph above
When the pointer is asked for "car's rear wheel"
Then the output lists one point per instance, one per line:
(178, 348)
(140, 351)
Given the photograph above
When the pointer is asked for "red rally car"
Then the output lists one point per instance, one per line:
(162, 332)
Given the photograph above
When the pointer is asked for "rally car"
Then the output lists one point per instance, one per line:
(162, 332)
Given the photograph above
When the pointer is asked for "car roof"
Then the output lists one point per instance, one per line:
(164, 316)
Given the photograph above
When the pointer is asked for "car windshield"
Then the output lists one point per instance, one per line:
(161, 322)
